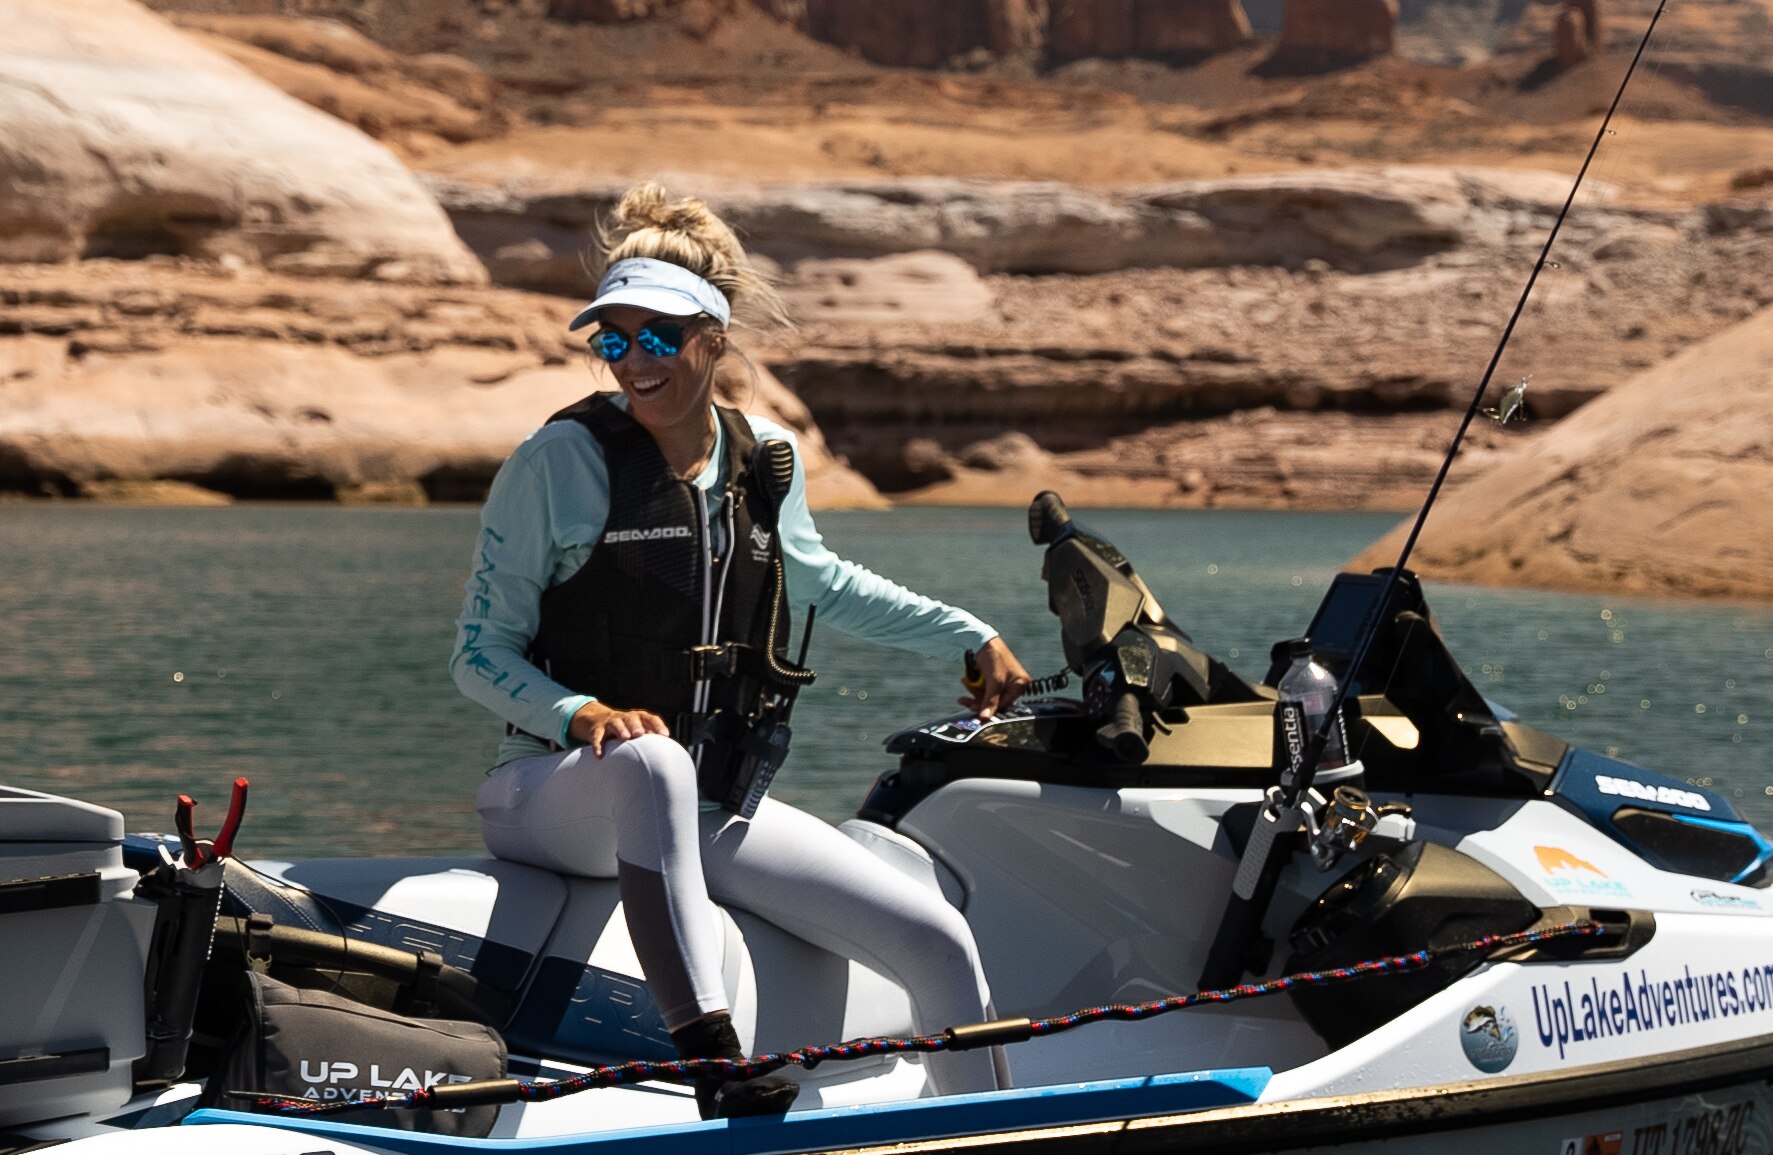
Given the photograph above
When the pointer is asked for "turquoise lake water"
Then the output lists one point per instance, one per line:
(159, 651)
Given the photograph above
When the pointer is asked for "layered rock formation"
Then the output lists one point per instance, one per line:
(183, 370)
(1363, 293)
(1374, 219)
(1088, 365)
(257, 385)
(1266, 340)
(121, 137)
(414, 103)
(1724, 51)
(926, 288)
(1327, 33)
(1660, 487)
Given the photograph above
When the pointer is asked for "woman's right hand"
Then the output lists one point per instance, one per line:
(596, 722)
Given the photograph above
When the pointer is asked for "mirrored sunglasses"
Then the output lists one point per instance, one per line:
(660, 338)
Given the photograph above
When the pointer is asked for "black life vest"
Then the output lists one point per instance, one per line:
(653, 620)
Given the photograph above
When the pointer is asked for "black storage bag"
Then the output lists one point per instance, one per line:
(315, 1045)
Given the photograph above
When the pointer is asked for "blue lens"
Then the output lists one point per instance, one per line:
(661, 338)
(609, 344)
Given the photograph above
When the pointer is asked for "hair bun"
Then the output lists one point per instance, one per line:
(648, 223)
(649, 206)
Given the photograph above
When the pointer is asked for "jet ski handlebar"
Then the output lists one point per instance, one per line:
(1125, 731)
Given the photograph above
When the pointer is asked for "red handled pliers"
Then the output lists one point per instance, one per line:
(201, 852)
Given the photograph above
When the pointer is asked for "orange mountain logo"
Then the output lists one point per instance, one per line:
(1557, 860)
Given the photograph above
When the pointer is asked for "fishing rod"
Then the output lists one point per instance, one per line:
(1258, 871)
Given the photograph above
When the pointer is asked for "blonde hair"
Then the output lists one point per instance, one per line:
(648, 223)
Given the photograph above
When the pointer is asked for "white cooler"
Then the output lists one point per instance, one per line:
(73, 949)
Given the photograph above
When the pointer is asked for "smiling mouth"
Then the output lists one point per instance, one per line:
(647, 386)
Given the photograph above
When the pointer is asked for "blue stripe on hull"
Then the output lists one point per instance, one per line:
(880, 1123)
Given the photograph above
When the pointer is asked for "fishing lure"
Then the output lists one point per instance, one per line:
(1513, 404)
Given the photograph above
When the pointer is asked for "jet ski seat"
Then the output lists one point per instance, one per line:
(481, 915)
(555, 953)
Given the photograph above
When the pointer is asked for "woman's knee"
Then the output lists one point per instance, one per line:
(951, 930)
(932, 931)
(656, 767)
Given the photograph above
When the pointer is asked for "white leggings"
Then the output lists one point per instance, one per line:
(635, 814)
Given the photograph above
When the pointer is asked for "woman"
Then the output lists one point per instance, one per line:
(627, 602)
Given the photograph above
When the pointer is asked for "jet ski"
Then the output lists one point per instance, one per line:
(1484, 936)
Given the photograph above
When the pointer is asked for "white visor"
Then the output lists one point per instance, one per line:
(658, 287)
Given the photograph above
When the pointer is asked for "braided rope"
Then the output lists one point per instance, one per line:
(688, 1070)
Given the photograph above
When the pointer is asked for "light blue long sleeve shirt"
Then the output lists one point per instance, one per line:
(545, 513)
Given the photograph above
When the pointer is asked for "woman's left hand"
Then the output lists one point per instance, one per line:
(1004, 680)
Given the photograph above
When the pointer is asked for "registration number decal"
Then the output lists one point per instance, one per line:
(1708, 1131)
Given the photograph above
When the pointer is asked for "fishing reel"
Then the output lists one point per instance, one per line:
(1335, 827)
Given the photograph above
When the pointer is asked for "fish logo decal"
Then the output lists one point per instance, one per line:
(1488, 1037)
(1484, 1019)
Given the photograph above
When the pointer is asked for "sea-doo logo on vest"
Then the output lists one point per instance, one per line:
(1488, 1036)
(656, 533)
(760, 543)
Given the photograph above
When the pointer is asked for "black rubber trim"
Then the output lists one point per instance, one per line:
(22, 895)
(1391, 1115)
(11, 1144)
(40, 1067)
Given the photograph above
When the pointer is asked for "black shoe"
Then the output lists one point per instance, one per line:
(714, 1038)
(747, 1098)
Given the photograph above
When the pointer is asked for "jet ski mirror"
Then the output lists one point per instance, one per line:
(1136, 663)
(1090, 584)
(1049, 522)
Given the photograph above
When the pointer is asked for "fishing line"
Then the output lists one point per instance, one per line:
(1615, 155)
(1613, 159)
(446, 1096)
(1258, 873)
(1471, 410)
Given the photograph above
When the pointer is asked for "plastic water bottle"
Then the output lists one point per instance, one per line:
(1310, 690)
